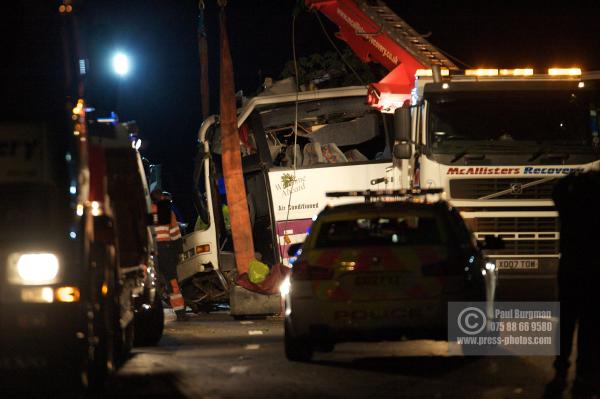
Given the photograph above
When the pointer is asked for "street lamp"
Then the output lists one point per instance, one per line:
(120, 63)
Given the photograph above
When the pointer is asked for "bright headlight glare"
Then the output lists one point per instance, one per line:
(285, 286)
(33, 268)
(490, 266)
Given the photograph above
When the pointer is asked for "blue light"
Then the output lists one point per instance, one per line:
(73, 235)
(106, 120)
(113, 118)
(471, 259)
(73, 190)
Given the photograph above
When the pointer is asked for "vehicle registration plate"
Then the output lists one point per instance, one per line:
(517, 263)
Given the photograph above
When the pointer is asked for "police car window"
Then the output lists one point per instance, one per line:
(459, 227)
(388, 231)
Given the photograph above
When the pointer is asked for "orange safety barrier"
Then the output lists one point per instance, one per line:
(176, 299)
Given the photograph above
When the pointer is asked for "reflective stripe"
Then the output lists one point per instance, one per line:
(177, 302)
(174, 228)
(176, 299)
(167, 233)
(174, 286)
(162, 233)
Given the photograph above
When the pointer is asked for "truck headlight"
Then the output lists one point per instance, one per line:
(33, 268)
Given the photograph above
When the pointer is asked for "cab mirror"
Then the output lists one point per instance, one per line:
(402, 124)
(491, 242)
(402, 151)
(293, 249)
(163, 212)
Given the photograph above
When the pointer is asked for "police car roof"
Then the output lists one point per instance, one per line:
(378, 206)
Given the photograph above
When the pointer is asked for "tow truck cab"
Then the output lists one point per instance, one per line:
(497, 141)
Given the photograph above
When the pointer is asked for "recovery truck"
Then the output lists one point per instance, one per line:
(497, 141)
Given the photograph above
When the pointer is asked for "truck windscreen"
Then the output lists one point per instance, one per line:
(37, 182)
(518, 120)
(37, 150)
(31, 212)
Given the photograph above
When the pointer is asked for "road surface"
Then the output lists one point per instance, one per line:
(213, 357)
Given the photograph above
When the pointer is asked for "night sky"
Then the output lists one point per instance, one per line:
(162, 93)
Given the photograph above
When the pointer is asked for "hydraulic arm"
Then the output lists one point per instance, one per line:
(376, 34)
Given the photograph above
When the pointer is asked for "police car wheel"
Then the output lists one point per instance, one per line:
(297, 349)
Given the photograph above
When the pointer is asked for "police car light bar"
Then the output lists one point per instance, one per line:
(413, 192)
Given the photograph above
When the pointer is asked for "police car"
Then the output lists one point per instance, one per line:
(382, 270)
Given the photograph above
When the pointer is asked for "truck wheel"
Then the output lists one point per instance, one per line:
(101, 363)
(124, 336)
(99, 359)
(149, 323)
(297, 349)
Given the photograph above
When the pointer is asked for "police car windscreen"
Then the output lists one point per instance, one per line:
(397, 230)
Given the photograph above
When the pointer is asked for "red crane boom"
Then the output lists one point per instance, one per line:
(376, 34)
